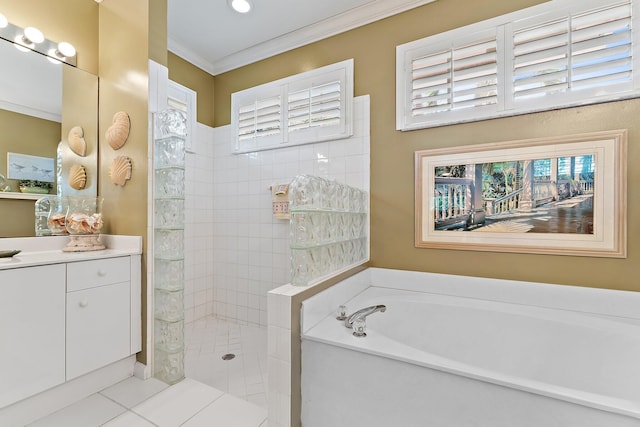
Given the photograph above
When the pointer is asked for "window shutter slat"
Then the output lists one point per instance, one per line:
(596, 81)
(540, 59)
(601, 67)
(619, 12)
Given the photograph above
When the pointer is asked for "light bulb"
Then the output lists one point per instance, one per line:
(33, 34)
(241, 6)
(21, 44)
(66, 49)
(55, 56)
(3, 21)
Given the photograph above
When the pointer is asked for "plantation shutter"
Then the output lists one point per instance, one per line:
(458, 78)
(558, 54)
(260, 118)
(316, 106)
(584, 51)
(313, 106)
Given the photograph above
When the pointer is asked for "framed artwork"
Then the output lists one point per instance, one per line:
(562, 195)
(26, 167)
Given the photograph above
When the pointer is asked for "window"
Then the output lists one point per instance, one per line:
(559, 54)
(308, 107)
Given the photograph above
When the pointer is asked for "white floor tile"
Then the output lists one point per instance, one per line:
(129, 419)
(229, 411)
(93, 411)
(176, 404)
(243, 376)
(133, 391)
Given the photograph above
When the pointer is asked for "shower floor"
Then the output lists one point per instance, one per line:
(208, 340)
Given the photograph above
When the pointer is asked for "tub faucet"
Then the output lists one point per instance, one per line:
(363, 313)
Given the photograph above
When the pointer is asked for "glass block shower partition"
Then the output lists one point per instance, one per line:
(328, 227)
(168, 244)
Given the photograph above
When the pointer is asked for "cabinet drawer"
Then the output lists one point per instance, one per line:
(90, 274)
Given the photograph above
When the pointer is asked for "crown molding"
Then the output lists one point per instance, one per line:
(341, 23)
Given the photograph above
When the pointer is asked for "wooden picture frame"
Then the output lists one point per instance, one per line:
(562, 195)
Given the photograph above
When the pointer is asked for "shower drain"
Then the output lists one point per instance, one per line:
(228, 356)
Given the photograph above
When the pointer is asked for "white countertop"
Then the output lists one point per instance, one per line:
(48, 250)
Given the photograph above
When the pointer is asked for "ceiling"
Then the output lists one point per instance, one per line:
(210, 35)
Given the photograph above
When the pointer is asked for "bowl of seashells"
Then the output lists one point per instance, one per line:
(84, 215)
(83, 223)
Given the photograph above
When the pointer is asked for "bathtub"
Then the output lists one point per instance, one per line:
(458, 351)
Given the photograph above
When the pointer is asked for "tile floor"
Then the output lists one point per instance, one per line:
(147, 403)
(244, 376)
(216, 392)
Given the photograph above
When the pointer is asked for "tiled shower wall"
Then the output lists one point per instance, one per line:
(250, 247)
(198, 241)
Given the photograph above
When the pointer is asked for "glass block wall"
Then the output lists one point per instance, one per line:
(168, 244)
(328, 227)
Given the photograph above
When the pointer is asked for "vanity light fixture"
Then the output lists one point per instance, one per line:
(240, 6)
(61, 53)
(30, 38)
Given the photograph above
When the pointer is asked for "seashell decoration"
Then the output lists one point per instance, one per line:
(77, 177)
(120, 170)
(118, 132)
(76, 141)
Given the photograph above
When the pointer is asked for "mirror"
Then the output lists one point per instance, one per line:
(40, 102)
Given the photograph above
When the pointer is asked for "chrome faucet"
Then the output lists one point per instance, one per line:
(363, 313)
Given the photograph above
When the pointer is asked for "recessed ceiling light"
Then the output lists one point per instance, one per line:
(240, 6)
(3, 21)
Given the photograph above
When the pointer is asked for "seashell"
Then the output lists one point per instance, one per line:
(118, 132)
(77, 177)
(76, 141)
(120, 170)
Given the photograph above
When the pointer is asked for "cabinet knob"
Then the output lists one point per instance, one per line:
(83, 302)
(102, 273)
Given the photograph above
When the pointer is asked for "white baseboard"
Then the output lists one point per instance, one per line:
(142, 371)
(42, 404)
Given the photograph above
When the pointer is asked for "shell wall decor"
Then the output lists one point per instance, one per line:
(76, 141)
(118, 132)
(120, 171)
(77, 177)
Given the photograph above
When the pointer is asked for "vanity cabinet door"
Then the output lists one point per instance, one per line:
(98, 327)
(32, 329)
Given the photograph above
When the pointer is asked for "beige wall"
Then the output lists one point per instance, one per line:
(74, 21)
(187, 74)
(392, 174)
(124, 80)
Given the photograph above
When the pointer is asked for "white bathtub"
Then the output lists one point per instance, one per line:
(490, 354)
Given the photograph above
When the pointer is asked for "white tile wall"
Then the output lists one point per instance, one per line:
(250, 247)
(198, 244)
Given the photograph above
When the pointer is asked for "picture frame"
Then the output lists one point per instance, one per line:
(27, 167)
(563, 195)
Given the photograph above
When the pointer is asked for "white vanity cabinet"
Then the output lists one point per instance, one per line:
(63, 316)
(98, 314)
(32, 331)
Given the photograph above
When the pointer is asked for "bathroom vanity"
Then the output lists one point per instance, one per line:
(64, 315)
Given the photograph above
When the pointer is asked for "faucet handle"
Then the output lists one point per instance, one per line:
(359, 327)
(341, 313)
